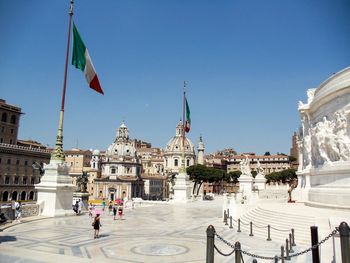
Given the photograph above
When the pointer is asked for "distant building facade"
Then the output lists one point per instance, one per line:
(269, 163)
(17, 174)
(120, 170)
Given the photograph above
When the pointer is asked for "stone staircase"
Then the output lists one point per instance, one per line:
(280, 223)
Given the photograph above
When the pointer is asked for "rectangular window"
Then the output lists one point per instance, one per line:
(7, 180)
(25, 163)
(24, 180)
(8, 161)
(16, 180)
(11, 131)
(1, 140)
(113, 171)
(32, 181)
(17, 162)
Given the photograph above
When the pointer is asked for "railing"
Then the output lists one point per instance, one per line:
(287, 251)
(17, 147)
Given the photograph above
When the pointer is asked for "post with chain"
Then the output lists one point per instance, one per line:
(210, 244)
(251, 229)
(275, 260)
(225, 215)
(228, 212)
(290, 243)
(314, 241)
(239, 225)
(268, 233)
(238, 258)
(293, 238)
(344, 232)
(254, 261)
(231, 222)
(282, 254)
(287, 249)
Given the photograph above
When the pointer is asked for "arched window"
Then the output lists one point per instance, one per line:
(14, 196)
(23, 195)
(5, 196)
(13, 119)
(176, 162)
(4, 117)
(188, 162)
(31, 195)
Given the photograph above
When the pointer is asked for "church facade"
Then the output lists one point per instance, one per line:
(120, 168)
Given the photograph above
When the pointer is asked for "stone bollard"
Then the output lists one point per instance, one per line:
(239, 225)
(231, 222)
(344, 232)
(290, 243)
(282, 254)
(268, 233)
(293, 238)
(210, 244)
(287, 249)
(251, 229)
(225, 216)
(238, 258)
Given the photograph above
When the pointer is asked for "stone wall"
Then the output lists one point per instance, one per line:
(27, 210)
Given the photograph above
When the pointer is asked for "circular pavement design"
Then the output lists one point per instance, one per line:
(160, 250)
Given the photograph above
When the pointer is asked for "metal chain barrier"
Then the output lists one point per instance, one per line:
(274, 257)
(316, 245)
(259, 226)
(281, 230)
(223, 254)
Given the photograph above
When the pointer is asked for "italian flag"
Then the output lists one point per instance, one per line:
(188, 117)
(81, 60)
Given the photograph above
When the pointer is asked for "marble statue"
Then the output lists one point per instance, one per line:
(82, 181)
(245, 166)
(260, 170)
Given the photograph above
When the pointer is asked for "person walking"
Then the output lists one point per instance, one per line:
(114, 212)
(120, 212)
(18, 206)
(97, 224)
(110, 207)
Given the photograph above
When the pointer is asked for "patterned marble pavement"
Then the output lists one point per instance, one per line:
(170, 233)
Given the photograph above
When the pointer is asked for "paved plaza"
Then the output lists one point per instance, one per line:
(155, 233)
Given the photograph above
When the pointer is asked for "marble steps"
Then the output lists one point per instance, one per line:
(262, 217)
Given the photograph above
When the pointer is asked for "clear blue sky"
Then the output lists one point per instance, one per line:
(247, 64)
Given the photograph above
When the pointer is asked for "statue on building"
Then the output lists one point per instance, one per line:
(260, 170)
(82, 181)
(245, 166)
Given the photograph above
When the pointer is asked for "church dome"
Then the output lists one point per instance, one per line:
(122, 146)
(175, 144)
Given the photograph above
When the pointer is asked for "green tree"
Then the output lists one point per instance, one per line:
(233, 176)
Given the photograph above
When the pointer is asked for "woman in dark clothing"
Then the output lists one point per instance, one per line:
(97, 225)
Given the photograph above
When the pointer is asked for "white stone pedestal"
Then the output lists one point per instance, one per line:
(55, 191)
(260, 181)
(182, 188)
(245, 184)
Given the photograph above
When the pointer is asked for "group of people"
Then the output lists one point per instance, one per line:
(77, 207)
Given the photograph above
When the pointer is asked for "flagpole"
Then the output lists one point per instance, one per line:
(58, 153)
(183, 167)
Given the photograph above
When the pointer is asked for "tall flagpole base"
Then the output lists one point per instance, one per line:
(55, 191)
(182, 188)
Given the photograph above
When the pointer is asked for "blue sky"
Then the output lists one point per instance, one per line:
(247, 64)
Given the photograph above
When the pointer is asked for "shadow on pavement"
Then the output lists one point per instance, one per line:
(7, 239)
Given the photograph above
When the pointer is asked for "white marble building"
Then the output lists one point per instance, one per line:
(324, 143)
(120, 169)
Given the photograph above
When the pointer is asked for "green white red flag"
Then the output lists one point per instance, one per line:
(81, 60)
(188, 117)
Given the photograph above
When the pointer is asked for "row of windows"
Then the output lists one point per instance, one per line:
(9, 161)
(3, 130)
(2, 140)
(4, 118)
(176, 162)
(16, 180)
